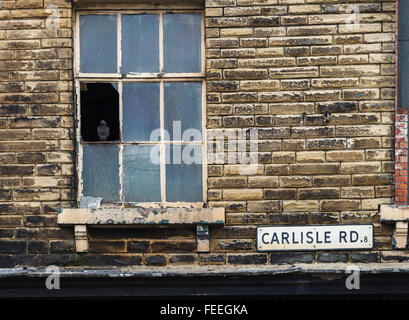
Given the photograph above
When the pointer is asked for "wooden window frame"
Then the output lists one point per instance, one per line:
(119, 79)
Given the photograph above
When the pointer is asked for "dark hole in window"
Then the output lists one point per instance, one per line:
(99, 112)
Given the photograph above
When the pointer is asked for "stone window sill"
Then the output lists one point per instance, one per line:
(392, 213)
(201, 217)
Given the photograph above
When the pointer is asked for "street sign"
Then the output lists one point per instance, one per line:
(313, 237)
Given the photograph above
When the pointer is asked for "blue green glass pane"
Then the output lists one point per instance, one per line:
(184, 173)
(183, 110)
(141, 115)
(98, 43)
(182, 42)
(140, 43)
(141, 174)
(100, 172)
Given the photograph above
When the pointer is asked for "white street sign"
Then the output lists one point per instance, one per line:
(322, 237)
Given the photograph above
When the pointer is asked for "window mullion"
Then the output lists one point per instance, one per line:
(162, 145)
(121, 147)
(119, 44)
(160, 42)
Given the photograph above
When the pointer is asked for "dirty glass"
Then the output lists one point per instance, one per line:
(140, 43)
(182, 43)
(183, 114)
(141, 176)
(141, 113)
(100, 172)
(183, 173)
(120, 116)
(98, 43)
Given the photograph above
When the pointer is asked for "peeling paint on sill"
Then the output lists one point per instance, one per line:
(124, 216)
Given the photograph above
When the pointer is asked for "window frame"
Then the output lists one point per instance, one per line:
(119, 79)
(119, 41)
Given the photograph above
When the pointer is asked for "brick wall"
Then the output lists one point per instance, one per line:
(321, 95)
(401, 157)
(401, 111)
(36, 129)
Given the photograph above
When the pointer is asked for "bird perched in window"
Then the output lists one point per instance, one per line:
(103, 131)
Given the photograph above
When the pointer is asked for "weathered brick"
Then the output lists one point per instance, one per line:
(296, 181)
(293, 218)
(316, 168)
(242, 194)
(62, 246)
(212, 258)
(300, 205)
(319, 193)
(365, 257)
(247, 258)
(37, 246)
(227, 245)
(107, 246)
(12, 246)
(173, 246)
(277, 194)
(328, 205)
(180, 259)
(357, 192)
(264, 206)
(333, 257)
(291, 257)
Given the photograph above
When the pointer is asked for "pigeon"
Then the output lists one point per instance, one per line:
(103, 131)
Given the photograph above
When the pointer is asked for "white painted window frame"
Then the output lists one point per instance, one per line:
(141, 77)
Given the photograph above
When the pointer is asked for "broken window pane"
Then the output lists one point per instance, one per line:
(100, 173)
(141, 113)
(183, 110)
(183, 175)
(98, 43)
(99, 112)
(140, 43)
(141, 176)
(182, 42)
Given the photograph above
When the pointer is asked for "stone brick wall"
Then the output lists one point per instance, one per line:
(36, 129)
(321, 95)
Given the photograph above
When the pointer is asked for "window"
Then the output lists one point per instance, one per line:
(140, 96)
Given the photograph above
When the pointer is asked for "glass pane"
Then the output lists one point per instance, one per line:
(182, 42)
(184, 173)
(183, 111)
(100, 172)
(141, 174)
(98, 43)
(141, 113)
(140, 43)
